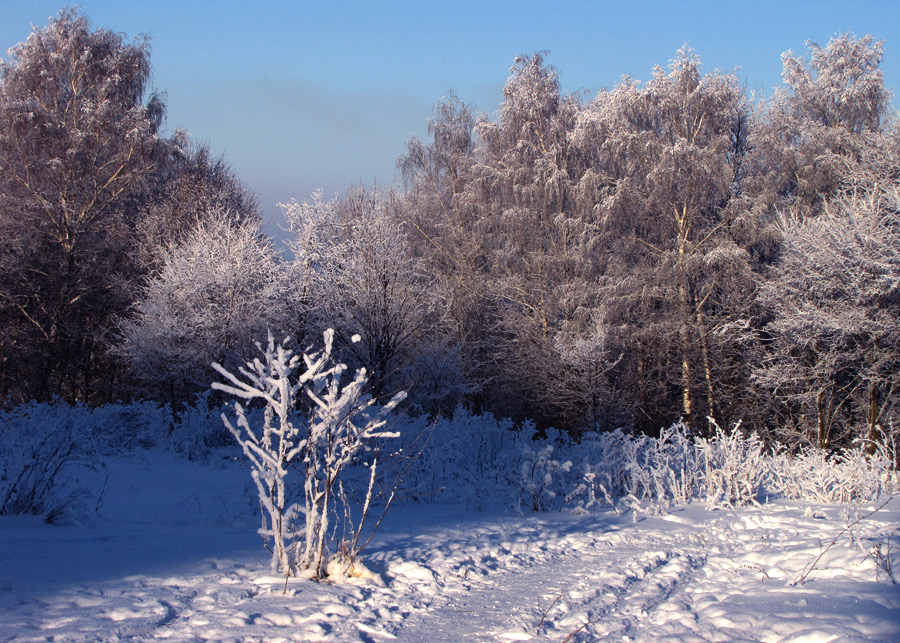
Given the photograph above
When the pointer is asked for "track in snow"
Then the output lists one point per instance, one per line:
(583, 586)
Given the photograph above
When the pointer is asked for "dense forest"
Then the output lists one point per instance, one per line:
(665, 249)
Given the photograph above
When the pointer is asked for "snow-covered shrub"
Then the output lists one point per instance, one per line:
(850, 475)
(199, 429)
(342, 420)
(603, 474)
(735, 467)
(466, 458)
(118, 428)
(536, 482)
(42, 446)
(729, 468)
(645, 472)
(480, 460)
(193, 432)
(121, 428)
(660, 471)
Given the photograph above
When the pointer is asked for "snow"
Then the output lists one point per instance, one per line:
(172, 553)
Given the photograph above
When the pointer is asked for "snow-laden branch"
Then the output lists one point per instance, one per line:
(341, 420)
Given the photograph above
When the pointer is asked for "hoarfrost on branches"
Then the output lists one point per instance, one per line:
(219, 288)
(341, 421)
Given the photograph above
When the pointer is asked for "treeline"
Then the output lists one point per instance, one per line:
(669, 249)
(673, 249)
(91, 195)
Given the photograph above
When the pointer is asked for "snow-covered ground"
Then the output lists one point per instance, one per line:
(172, 554)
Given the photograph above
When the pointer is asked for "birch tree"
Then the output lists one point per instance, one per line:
(441, 211)
(831, 110)
(539, 254)
(661, 184)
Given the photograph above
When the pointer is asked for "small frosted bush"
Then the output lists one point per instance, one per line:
(120, 428)
(730, 468)
(42, 449)
(536, 492)
(199, 429)
(736, 470)
(468, 458)
(342, 421)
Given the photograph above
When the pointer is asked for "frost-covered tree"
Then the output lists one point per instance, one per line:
(525, 171)
(441, 210)
(78, 142)
(189, 184)
(831, 110)
(539, 254)
(354, 270)
(315, 245)
(661, 185)
(584, 389)
(219, 288)
(822, 146)
(438, 171)
(380, 291)
(836, 301)
(591, 233)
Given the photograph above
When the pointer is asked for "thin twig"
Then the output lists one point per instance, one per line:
(809, 569)
(572, 634)
(547, 611)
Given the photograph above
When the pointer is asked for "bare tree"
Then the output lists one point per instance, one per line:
(78, 141)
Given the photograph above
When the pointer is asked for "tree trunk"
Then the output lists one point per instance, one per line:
(707, 367)
(683, 294)
(686, 401)
(822, 416)
(874, 436)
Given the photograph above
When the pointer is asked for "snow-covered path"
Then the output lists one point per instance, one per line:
(692, 575)
(581, 579)
(549, 588)
(172, 556)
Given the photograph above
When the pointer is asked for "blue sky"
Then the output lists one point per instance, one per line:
(305, 95)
